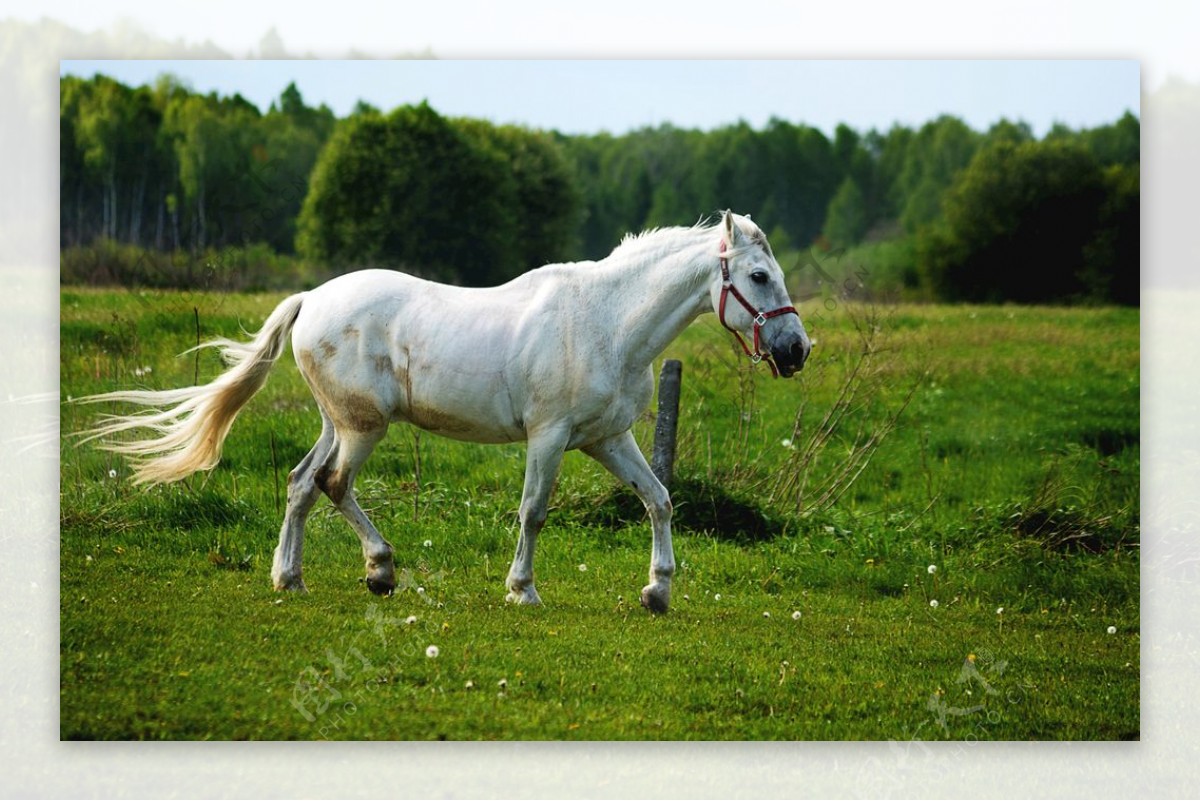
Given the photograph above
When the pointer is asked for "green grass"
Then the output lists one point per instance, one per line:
(1013, 469)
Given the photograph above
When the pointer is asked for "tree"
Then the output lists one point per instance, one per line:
(846, 221)
(935, 155)
(411, 190)
(547, 202)
(1113, 260)
(1017, 225)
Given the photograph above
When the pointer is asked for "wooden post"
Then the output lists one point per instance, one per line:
(665, 427)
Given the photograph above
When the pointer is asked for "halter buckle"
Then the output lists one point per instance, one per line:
(760, 320)
(755, 358)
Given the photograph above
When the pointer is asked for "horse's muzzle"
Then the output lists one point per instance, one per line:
(790, 359)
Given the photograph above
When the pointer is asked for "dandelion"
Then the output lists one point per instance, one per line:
(931, 569)
(1112, 629)
(796, 615)
(582, 567)
(112, 473)
(502, 684)
(933, 603)
(420, 590)
(1000, 610)
(766, 614)
(410, 620)
(428, 543)
(470, 685)
(787, 443)
(431, 652)
(717, 597)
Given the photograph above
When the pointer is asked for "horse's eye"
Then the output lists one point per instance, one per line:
(758, 277)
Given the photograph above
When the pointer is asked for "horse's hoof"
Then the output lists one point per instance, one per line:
(380, 587)
(656, 599)
(290, 585)
(527, 597)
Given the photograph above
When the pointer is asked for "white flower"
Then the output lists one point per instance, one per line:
(112, 473)
(420, 590)
(717, 597)
(431, 652)
(796, 615)
(502, 684)
(931, 569)
(428, 543)
(1112, 629)
(410, 619)
(470, 685)
(1000, 610)
(766, 614)
(582, 567)
(787, 443)
(933, 603)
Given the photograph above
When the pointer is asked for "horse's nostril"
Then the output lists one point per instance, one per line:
(799, 353)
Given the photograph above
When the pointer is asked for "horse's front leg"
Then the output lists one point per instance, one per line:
(621, 457)
(541, 468)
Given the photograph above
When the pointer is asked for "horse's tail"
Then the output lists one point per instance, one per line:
(192, 423)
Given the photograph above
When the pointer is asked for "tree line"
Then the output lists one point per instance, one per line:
(976, 215)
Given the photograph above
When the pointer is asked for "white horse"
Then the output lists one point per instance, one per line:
(559, 357)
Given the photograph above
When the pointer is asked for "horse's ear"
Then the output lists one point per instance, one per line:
(732, 232)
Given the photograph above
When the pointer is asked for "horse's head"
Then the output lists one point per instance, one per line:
(750, 298)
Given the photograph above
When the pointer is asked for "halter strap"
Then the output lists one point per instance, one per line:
(759, 317)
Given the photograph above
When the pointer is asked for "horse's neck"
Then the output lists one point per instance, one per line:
(661, 294)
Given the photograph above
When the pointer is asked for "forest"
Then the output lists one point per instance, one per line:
(164, 186)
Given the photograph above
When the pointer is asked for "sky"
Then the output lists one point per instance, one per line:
(577, 96)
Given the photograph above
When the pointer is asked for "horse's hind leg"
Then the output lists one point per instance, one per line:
(621, 457)
(286, 570)
(336, 479)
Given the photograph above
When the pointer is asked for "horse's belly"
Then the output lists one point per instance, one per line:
(457, 424)
(473, 408)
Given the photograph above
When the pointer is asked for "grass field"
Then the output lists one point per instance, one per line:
(985, 458)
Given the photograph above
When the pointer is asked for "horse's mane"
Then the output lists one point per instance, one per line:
(660, 241)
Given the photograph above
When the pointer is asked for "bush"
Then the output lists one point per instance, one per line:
(254, 267)
(1034, 222)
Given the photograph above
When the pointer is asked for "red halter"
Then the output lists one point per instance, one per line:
(760, 318)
